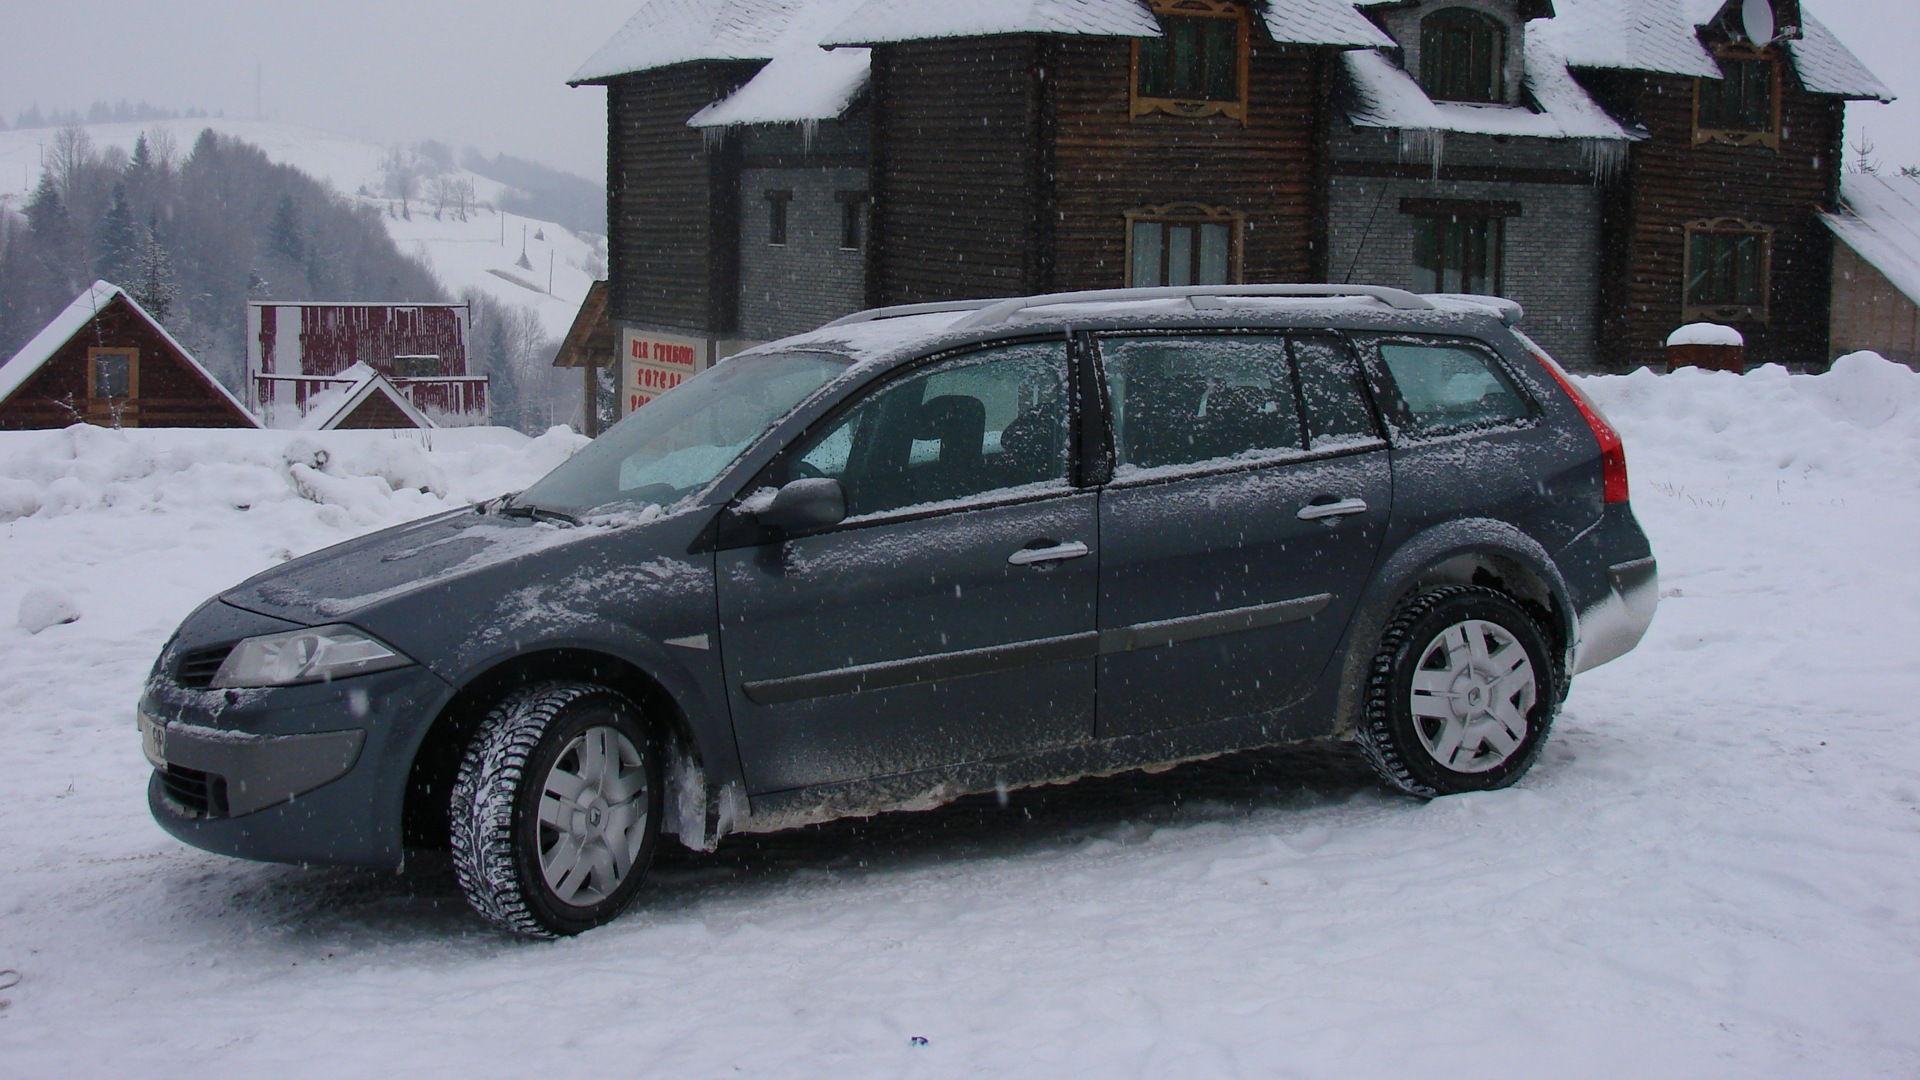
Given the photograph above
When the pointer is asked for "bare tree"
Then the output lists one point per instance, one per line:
(71, 152)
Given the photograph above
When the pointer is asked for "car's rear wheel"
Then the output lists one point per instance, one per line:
(556, 810)
(1461, 694)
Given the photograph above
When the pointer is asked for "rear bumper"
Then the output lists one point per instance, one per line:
(1612, 627)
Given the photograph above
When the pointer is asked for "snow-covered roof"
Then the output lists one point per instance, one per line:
(1879, 219)
(667, 32)
(1826, 66)
(77, 316)
(805, 85)
(327, 410)
(1380, 94)
(879, 21)
(1663, 37)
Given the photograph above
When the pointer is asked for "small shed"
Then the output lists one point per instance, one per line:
(362, 400)
(592, 347)
(1876, 267)
(106, 361)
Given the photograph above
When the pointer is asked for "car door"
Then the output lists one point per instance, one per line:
(950, 618)
(1245, 513)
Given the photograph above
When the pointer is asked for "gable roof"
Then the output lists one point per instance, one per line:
(1663, 37)
(668, 32)
(329, 410)
(79, 315)
(1378, 93)
(1879, 218)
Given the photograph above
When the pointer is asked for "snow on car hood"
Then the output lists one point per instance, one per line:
(336, 582)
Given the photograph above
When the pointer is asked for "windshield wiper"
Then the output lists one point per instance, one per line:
(508, 508)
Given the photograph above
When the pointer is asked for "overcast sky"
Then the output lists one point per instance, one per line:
(492, 73)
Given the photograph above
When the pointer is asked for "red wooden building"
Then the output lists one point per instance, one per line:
(296, 351)
(105, 361)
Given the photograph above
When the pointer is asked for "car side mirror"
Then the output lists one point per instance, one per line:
(813, 503)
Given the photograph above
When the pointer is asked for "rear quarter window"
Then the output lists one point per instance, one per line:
(1451, 386)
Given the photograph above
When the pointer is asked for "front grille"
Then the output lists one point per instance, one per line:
(197, 667)
(199, 793)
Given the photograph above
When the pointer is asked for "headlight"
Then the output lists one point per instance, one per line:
(299, 656)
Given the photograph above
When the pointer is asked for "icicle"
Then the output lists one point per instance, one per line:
(809, 130)
(1605, 158)
(1426, 144)
(713, 138)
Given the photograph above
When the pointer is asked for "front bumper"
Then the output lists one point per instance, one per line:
(305, 774)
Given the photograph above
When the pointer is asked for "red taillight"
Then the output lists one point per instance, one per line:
(1613, 452)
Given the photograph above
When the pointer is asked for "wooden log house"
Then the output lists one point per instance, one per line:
(1620, 168)
(105, 361)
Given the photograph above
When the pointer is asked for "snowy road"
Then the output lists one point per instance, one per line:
(1713, 871)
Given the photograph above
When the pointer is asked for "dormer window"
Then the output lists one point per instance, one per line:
(1463, 56)
(1199, 67)
(1742, 108)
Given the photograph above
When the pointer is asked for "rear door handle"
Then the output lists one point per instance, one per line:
(1329, 511)
(1073, 549)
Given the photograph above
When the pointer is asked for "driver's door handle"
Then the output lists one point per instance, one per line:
(1333, 510)
(1072, 549)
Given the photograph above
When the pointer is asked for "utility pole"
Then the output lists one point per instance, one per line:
(550, 271)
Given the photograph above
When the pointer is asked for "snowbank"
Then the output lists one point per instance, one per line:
(1710, 873)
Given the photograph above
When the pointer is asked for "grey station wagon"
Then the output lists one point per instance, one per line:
(925, 552)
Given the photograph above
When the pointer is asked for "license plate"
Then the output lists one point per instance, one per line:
(153, 741)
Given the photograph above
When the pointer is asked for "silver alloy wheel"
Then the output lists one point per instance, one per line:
(593, 816)
(1472, 692)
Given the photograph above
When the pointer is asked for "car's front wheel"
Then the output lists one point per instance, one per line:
(556, 810)
(1461, 693)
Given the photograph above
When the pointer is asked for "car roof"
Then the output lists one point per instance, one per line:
(882, 336)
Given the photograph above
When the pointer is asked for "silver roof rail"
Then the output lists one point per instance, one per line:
(1000, 312)
(901, 311)
(994, 312)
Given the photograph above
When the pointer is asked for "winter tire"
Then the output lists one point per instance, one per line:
(1461, 693)
(556, 810)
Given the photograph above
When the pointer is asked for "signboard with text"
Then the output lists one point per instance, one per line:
(652, 364)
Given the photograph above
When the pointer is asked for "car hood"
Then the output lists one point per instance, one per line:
(336, 582)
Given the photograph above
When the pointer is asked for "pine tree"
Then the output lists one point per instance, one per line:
(283, 233)
(154, 286)
(119, 241)
(47, 213)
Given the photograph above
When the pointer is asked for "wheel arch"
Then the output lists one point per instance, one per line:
(436, 760)
(1473, 551)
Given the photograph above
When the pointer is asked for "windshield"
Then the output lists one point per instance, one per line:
(681, 441)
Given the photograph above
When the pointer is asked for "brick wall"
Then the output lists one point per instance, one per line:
(811, 279)
(1552, 260)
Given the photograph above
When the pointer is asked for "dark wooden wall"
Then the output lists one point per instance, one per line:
(672, 201)
(1670, 182)
(170, 392)
(958, 171)
(1271, 168)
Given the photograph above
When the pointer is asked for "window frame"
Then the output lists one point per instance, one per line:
(1435, 71)
(1770, 137)
(779, 202)
(1234, 108)
(1760, 311)
(739, 530)
(853, 219)
(94, 356)
(1427, 212)
(1100, 365)
(1391, 405)
(1195, 214)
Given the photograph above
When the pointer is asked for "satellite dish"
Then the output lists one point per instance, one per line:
(1756, 17)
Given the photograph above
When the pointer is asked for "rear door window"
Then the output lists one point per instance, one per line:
(1201, 399)
(1331, 393)
(1449, 386)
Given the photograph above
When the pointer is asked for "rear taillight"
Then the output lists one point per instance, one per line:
(1613, 453)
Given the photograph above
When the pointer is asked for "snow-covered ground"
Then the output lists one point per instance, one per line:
(1711, 873)
(482, 252)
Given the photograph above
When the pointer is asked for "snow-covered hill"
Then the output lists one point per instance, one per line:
(1711, 872)
(484, 251)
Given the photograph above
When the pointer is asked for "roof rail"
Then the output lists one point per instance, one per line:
(993, 312)
(1003, 310)
(901, 311)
